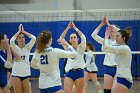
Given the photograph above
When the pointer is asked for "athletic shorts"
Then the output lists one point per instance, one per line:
(124, 82)
(110, 70)
(51, 89)
(90, 71)
(75, 74)
(3, 81)
(21, 78)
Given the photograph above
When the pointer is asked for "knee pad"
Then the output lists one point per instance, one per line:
(107, 90)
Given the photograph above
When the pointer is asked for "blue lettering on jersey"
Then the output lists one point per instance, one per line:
(44, 59)
(23, 57)
(69, 49)
(48, 50)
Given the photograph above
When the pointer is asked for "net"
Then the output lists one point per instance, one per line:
(64, 15)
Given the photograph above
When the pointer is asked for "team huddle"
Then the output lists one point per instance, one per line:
(80, 63)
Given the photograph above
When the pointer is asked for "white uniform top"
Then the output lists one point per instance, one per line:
(22, 68)
(90, 61)
(49, 66)
(123, 59)
(77, 62)
(109, 57)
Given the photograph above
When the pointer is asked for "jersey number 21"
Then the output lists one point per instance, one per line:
(44, 59)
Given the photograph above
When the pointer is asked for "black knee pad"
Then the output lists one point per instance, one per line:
(107, 90)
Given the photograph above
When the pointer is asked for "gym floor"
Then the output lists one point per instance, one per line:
(91, 89)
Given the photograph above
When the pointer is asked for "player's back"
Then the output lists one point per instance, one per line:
(49, 60)
(49, 66)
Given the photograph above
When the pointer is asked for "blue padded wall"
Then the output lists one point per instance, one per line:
(87, 27)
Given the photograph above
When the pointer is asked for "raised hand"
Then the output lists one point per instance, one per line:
(5, 44)
(69, 25)
(73, 25)
(108, 31)
(107, 22)
(104, 21)
(20, 28)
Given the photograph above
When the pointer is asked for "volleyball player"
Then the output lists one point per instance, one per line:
(123, 58)
(46, 58)
(5, 62)
(109, 62)
(91, 68)
(21, 69)
(74, 67)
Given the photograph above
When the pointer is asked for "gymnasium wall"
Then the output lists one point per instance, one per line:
(87, 27)
(34, 5)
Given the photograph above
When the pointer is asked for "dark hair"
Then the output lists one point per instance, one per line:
(126, 34)
(43, 39)
(91, 46)
(1, 36)
(73, 33)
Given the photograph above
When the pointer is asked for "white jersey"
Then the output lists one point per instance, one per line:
(123, 59)
(49, 66)
(109, 57)
(77, 62)
(90, 61)
(22, 68)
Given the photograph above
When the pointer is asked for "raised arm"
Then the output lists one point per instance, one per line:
(82, 36)
(112, 48)
(19, 31)
(12, 41)
(96, 31)
(65, 31)
(76, 29)
(33, 38)
(114, 27)
(32, 42)
(6, 46)
(61, 40)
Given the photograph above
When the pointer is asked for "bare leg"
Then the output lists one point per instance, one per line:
(86, 78)
(119, 88)
(108, 81)
(95, 81)
(0, 90)
(25, 86)
(79, 83)
(5, 89)
(17, 84)
(68, 85)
